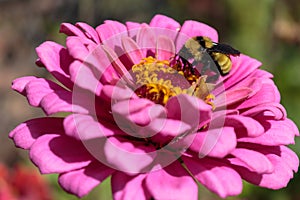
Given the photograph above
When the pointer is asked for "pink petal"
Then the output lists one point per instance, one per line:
(216, 176)
(129, 187)
(215, 142)
(165, 26)
(129, 157)
(172, 182)
(117, 64)
(133, 29)
(27, 133)
(284, 161)
(138, 112)
(87, 127)
(56, 102)
(111, 33)
(252, 160)
(232, 97)
(19, 84)
(255, 84)
(77, 47)
(111, 92)
(71, 30)
(267, 94)
(165, 130)
(244, 126)
(57, 60)
(242, 67)
(188, 109)
(111, 28)
(95, 67)
(259, 73)
(162, 21)
(132, 50)
(56, 154)
(80, 182)
(165, 48)
(194, 28)
(146, 40)
(275, 110)
(89, 31)
(276, 133)
(38, 88)
(290, 158)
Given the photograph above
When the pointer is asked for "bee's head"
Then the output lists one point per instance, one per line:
(205, 42)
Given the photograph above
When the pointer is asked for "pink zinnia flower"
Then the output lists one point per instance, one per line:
(126, 112)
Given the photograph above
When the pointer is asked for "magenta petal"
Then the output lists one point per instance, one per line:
(71, 30)
(111, 33)
(172, 182)
(133, 29)
(118, 151)
(111, 92)
(97, 66)
(274, 110)
(139, 112)
(19, 84)
(244, 126)
(290, 158)
(165, 26)
(252, 160)
(27, 133)
(218, 177)
(57, 102)
(132, 50)
(284, 163)
(86, 127)
(188, 109)
(168, 129)
(280, 176)
(77, 47)
(117, 64)
(109, 29)
(232, 96)
(90, 32)
(255, 84)
(81, 182)
(165, 48)
(242, 66)
(194, 28)
(37, 89)
(259, 73)
(56, 154)
(146, 39)
(267, 94)
(129, 187)
(215, 142)
(278, 133)
(162, 21)
(57, 60)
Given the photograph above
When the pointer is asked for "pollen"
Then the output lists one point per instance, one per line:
(159, 80)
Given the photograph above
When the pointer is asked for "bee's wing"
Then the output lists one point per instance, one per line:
(224, 49)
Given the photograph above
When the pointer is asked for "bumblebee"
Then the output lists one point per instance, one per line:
(201, 49)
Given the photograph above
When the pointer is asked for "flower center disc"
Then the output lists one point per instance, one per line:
(159, 80)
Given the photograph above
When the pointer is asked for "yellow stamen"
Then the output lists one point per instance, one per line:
(158, 81)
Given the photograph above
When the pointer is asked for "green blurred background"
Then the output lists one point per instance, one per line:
(268, 30)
